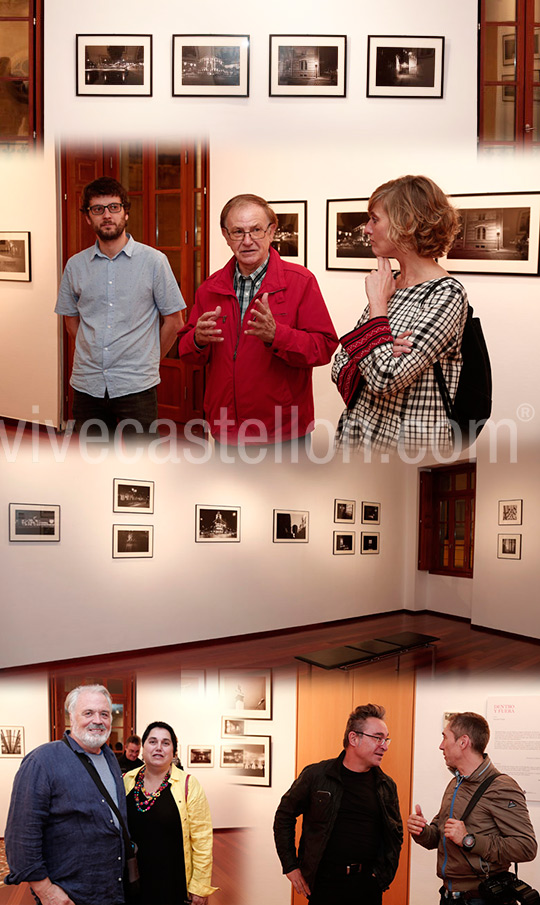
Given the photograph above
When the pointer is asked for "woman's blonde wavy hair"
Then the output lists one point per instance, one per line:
(421, 216)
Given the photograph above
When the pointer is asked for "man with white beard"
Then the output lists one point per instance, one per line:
(62, 837)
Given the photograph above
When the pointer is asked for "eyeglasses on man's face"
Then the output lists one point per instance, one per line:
(378, 738)
(114, 208)
(237, 234)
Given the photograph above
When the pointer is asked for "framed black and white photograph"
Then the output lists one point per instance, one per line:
(129, 495)
(11, 741)
(509, 50)
(15, 256)
(246, 694)
(510, 512)
(347, 244)
(509, 546)
(290, 237)
(133, 541)
(291, 526)
(345, 512)
(371, 513)
(248, 760)
(114, 65)
(210, 66)
(369, 542)
(405, 66)
(308, 65)
(200, 755)
(499, 234)
(344, 543)
(34, 522)
(193, 684)
(217, 524)
(231, 726)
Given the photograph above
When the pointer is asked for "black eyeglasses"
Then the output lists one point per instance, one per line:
(114, 207)
(237, 234)
(378, 738)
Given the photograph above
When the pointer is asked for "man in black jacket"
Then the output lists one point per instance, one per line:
(352, 831)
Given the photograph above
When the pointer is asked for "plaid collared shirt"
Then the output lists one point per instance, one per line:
(399, 403)
(246, 288)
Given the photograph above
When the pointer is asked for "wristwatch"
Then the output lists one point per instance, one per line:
(468, 842)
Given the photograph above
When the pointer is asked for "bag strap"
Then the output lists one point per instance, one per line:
(94, 775)
(186, 789)
(443, 390)
(478, 794)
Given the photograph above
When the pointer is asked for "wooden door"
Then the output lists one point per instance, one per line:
(169, 202)
(325, 700)
(121, 687)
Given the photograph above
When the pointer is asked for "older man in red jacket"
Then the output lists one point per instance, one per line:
(260, 325)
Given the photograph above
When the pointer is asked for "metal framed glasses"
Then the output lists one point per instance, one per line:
(114, 207)
(237, 234)
(378, 738)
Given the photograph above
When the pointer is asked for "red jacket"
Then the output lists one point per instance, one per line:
(248, 379)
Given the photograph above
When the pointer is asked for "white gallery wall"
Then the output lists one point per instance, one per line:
(434, 697)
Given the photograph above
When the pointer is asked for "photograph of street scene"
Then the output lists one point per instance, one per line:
(307, 65)
(114, 64)
(286, 235)
(400, 67)
(207, 65)
(496, 234)
(351, 240)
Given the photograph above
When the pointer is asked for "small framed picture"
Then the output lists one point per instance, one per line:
(246, 693)
(308, 65)
(347, 245)
(344, 542)
(193, 683)
(114, 65)
(15, 256)
(232, 727)
(369, 542)
(133, 541)
(210, 66)
(510, 512)
(34, 522)
(291, 526)
(129, 495)
(499, 234)
(290, 237)
(405, 66)
(217, 524)
(248, 760)
(345, 512)
(509, 50)
(508, 92)
(509, 546)
(371, 513)
(200, 755)
(11, 741)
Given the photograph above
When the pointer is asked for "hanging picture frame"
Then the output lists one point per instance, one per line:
(499, 234)
(405, 66)
(34, 523)
(248, 760)
(114, 65)
(308, 66)
(210, 66)
(290, 237)
(15, 261)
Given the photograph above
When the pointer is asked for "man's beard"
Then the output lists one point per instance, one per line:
(112, 232)
(92, 739)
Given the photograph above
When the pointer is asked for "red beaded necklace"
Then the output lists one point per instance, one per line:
(143, 799)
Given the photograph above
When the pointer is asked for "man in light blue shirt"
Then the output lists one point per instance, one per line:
(111, 297)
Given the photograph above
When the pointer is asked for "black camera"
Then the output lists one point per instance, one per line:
(507, 889)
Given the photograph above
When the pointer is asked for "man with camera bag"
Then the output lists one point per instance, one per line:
(483, 824)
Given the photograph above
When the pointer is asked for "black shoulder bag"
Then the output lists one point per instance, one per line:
(131, 873)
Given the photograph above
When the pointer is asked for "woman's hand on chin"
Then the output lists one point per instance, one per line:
(380, 287)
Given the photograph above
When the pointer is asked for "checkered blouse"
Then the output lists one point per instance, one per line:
(397, 403)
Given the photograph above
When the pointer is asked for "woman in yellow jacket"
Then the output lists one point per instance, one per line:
(169, 819)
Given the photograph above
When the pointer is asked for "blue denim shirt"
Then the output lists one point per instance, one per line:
(59, 826)
(118, 301)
